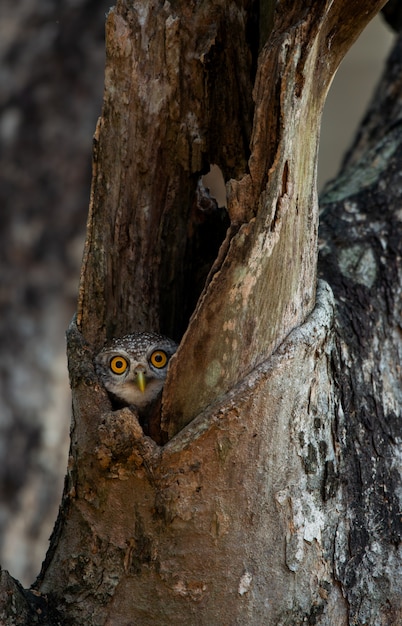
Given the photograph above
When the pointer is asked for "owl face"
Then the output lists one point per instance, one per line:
(133, 368)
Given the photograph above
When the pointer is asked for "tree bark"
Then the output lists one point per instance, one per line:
(275, 498)
(361, 258)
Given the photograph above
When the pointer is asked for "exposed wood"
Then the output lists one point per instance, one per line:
(270, 502)
(177, 98)
(134, 274)
(265, 285)
(164, 525)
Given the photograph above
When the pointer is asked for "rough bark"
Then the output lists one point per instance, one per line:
(177, 98)
(361, 258)
(165, 524)
(251, 512)
(272, 208)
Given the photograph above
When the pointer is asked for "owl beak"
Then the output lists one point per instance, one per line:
(140, 381)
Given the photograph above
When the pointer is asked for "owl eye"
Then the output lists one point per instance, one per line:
(118, 365)
(158, 358)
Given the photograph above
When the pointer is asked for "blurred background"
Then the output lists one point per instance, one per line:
(51, 83)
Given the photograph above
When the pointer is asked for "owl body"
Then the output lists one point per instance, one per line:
(133, 368)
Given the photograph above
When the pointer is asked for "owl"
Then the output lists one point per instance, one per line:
(133, 368)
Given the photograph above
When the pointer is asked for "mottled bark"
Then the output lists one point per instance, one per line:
(361, 229)
(274, 500)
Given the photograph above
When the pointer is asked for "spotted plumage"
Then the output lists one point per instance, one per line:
(133, 368)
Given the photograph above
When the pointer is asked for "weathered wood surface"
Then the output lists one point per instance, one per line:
(177, 98)
(271, 502)
(214, 526)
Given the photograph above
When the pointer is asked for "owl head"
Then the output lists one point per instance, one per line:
(133, 368)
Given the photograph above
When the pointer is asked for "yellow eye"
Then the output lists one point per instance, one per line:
(118, 364)
(159, 358)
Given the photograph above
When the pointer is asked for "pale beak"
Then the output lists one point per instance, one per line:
(140, 381)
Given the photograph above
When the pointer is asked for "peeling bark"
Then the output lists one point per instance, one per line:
(169, 520)
(177, 98)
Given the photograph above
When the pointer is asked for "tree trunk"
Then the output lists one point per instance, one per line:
(361, 258)
(275, 498)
